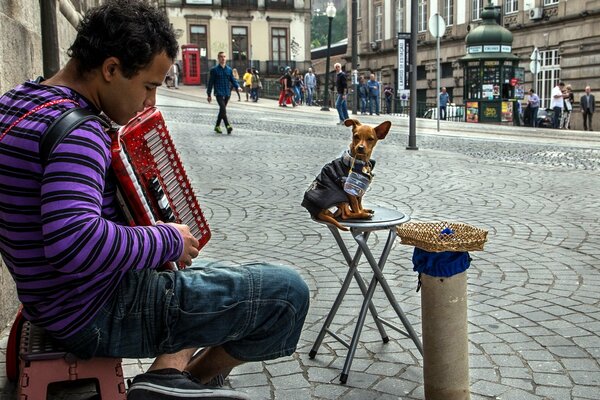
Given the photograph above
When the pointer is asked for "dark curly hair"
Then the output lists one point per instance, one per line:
(130, 30)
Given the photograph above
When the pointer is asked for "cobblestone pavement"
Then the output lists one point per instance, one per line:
(533, 306)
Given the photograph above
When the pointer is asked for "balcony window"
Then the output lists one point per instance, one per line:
(422, 16)
(239, 3)
(279, 44)
(279, 4)
(448, 12)
(198, 36)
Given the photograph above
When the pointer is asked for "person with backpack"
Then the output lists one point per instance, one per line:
(85, 276)
(256, 85)
(287, 92)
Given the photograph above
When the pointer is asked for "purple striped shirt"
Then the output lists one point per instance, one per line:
(61, 234)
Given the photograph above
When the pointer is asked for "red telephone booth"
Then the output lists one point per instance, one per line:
(191, 64)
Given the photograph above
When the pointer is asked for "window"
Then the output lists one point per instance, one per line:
(399, 16)
(279, 44)
(448, 12)
(550, 2)
(422, 16)
(421, 72)
(378, 22)
(239, 43)
(446, 70)
(511, 6)
(476, 9)
(198, 36)
(549, 75)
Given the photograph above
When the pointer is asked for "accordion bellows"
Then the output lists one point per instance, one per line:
(153, 184)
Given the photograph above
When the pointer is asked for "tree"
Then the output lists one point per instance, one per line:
(320, 25)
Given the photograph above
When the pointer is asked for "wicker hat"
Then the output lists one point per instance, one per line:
(442, 236)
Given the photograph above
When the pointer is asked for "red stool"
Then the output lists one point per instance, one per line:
(42, 361)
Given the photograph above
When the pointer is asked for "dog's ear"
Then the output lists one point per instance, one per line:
(382, 129)
(352, 122)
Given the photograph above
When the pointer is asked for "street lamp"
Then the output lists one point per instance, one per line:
(330, 12)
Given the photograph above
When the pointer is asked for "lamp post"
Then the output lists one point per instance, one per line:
(330, 12)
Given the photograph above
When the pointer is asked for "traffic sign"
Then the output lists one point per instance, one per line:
(437, 25)
(535, 67)
(535, 55)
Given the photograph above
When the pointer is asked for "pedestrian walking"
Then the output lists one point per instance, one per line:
(341, 84)
(221, 79)
(247, 78)
(236, 76)
(286, 94)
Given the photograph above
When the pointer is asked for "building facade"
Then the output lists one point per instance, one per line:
(264, 34)
(562, 31)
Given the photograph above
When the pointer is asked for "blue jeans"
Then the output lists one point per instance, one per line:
(255, 311)
(374, 101)
(556, 117)
(342, 107)
(443, 112)
(534, 116)
(363, 104)
(309, 95)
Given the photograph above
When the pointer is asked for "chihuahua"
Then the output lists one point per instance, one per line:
(326, 199)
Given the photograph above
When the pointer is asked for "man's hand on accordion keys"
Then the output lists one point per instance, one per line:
(190, 243)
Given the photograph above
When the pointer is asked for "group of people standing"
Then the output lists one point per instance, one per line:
(562, 104)
(369, 95)
(296, 88)
(251, 83)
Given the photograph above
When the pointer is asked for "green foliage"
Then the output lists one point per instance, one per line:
(320, 25)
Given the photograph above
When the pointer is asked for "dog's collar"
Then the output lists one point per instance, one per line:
(356, 164)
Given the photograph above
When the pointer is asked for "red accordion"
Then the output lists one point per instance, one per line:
(152, 181)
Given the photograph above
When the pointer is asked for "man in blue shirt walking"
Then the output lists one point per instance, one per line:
(221, 79)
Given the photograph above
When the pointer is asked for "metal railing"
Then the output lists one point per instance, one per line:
(271, 89)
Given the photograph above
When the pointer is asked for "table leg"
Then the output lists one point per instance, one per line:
(378, 276)
(352, 271)
(359, 280)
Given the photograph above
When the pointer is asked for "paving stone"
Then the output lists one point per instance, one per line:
(533, 306)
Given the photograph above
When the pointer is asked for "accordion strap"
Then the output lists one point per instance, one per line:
(62, 126)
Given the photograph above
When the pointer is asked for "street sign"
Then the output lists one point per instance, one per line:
(403, 60)
(437, 25)
(535, 67)
(535, 55)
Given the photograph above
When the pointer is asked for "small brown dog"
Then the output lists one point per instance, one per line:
(326, 198)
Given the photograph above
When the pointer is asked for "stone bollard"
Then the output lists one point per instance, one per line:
(441, 258)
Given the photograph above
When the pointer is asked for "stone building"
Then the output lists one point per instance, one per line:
(562, 31)
(265, 34)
